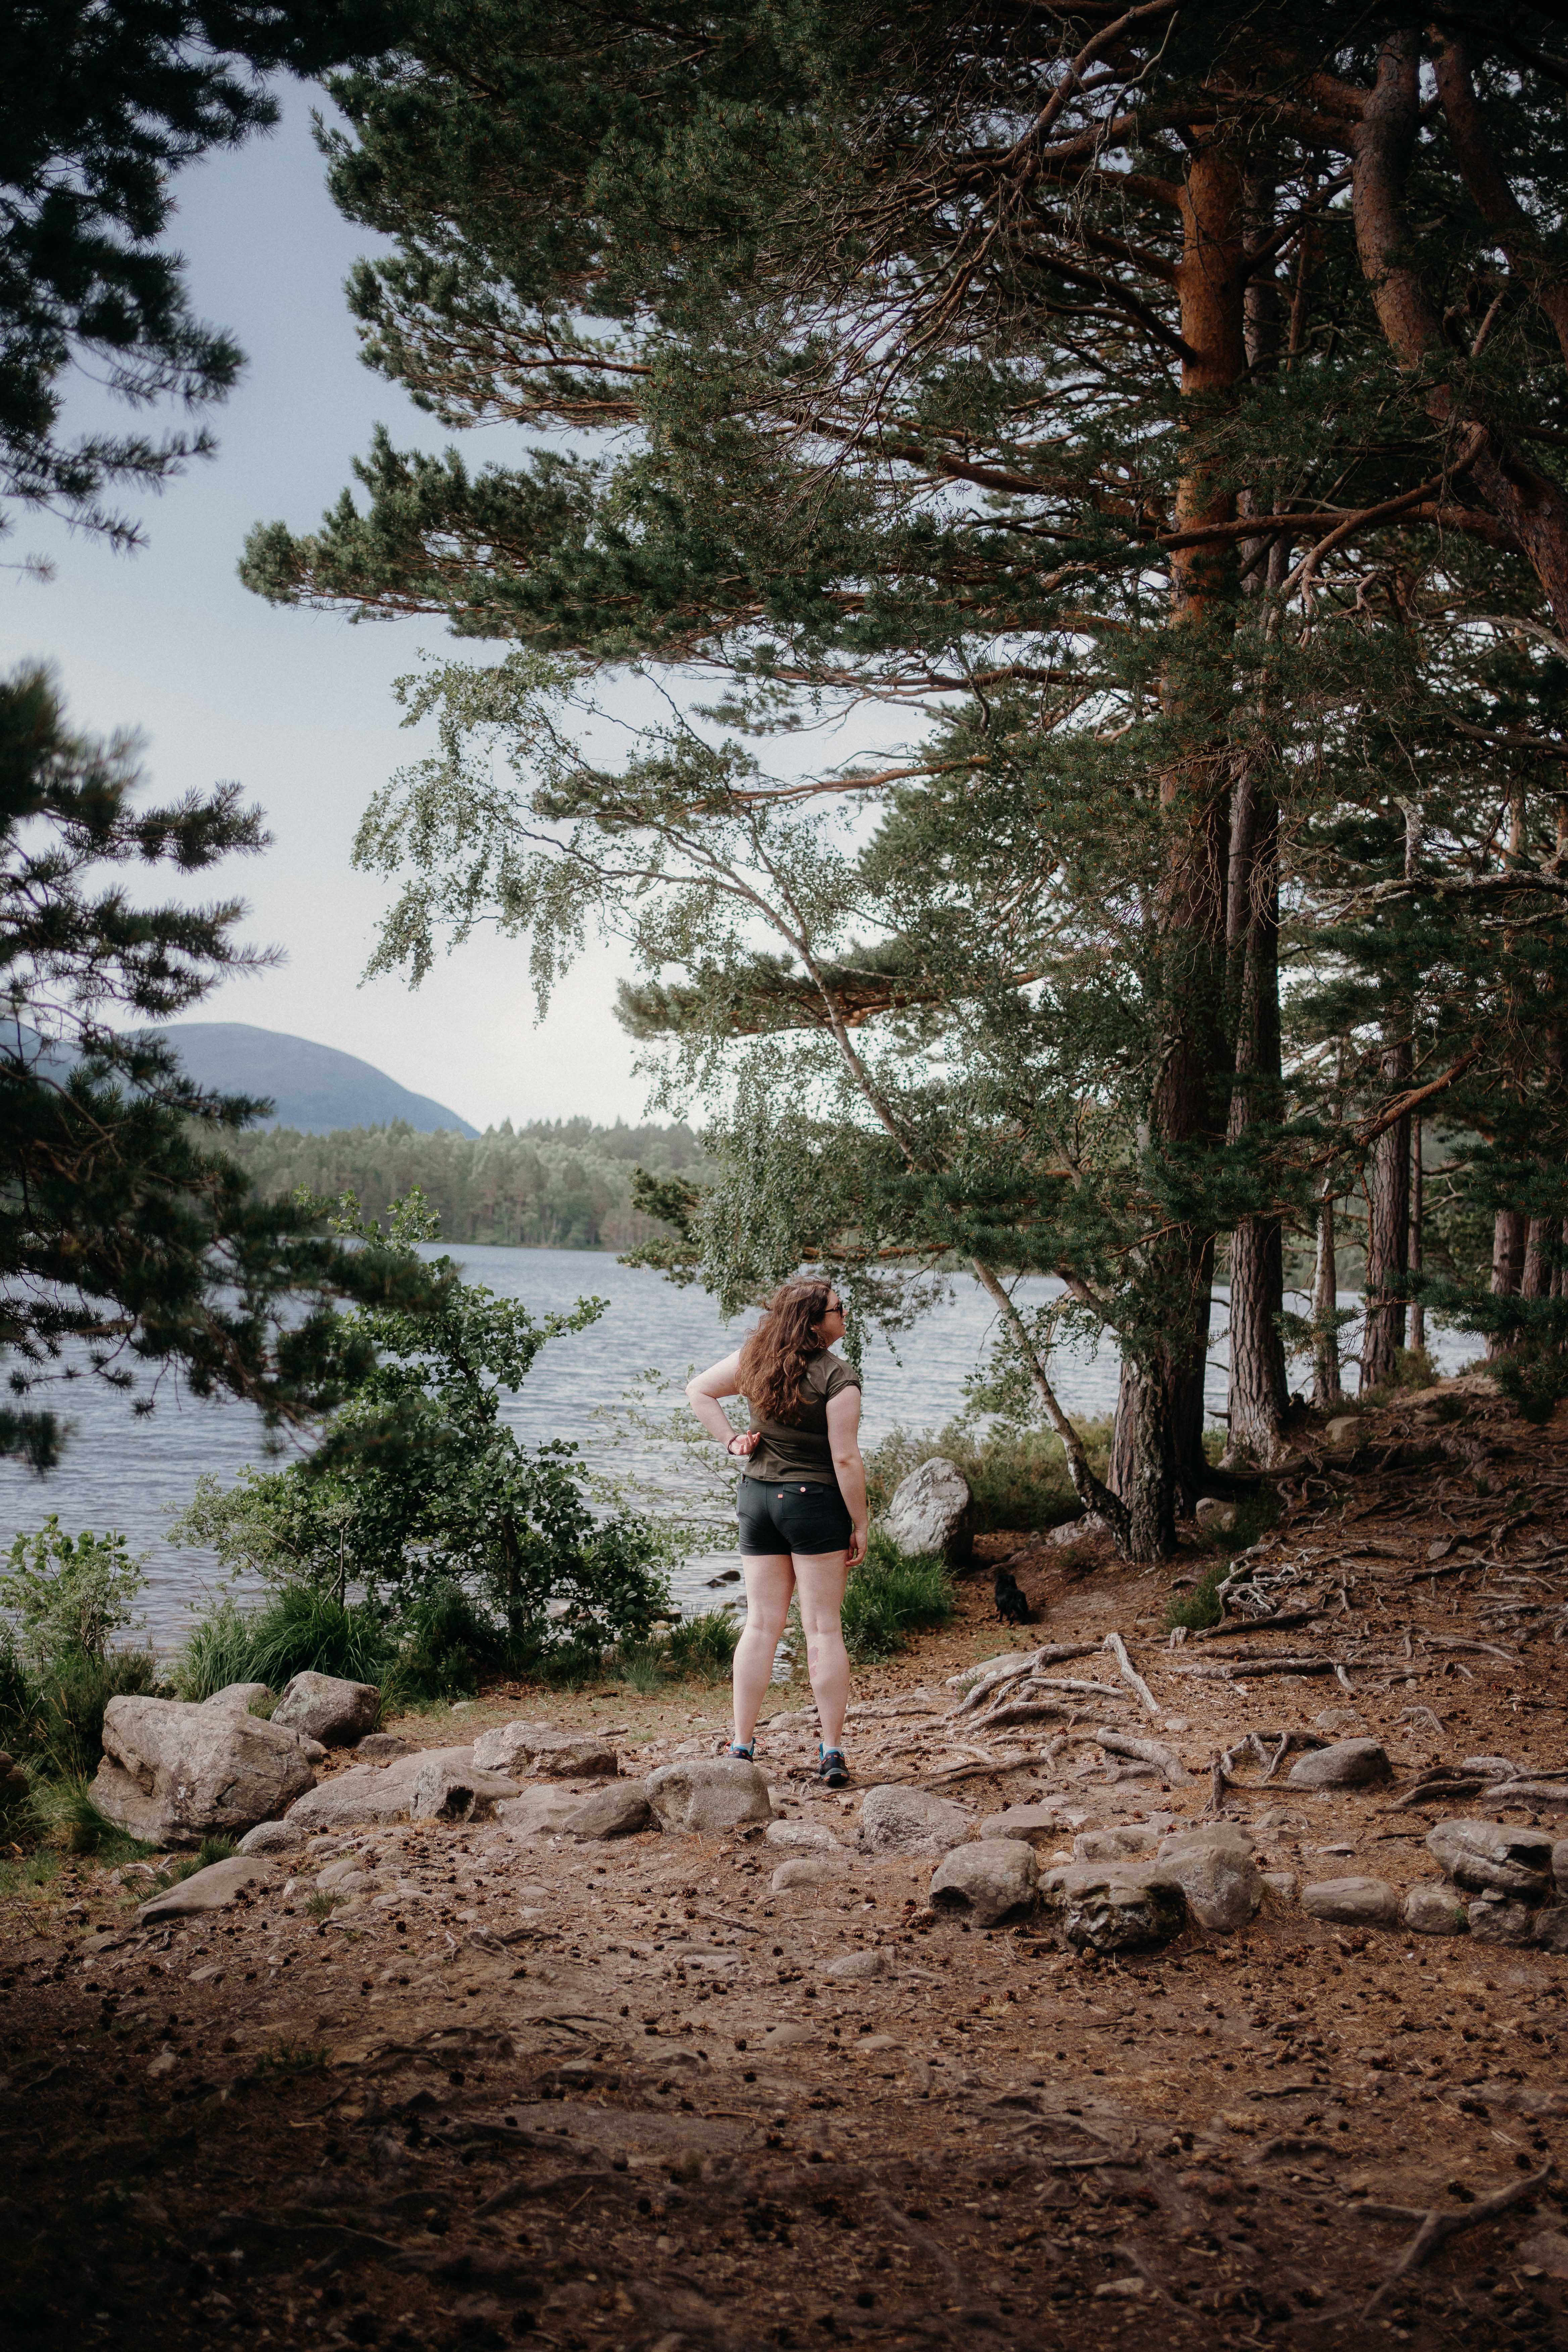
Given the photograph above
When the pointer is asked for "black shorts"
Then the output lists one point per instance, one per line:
(792, 1517)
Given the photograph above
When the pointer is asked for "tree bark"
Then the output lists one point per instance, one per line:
(1509, 1234)
(1387, 1233)
(1259, 1396)
(1417, 1210)
(1535, 1280)
(1326, 1387)
(1530, 505)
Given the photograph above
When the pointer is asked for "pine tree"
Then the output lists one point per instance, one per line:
(1136, 397)
(131, 1246)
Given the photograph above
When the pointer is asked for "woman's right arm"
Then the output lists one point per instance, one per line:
(703, 1392)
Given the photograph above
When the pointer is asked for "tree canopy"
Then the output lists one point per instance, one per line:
(1141, 430)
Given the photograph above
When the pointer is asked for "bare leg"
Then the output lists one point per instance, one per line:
(819, 1579)
(770, 1582)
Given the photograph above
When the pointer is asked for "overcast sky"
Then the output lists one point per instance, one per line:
(296, 705)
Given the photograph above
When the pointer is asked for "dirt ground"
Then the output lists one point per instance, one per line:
(609, 2095)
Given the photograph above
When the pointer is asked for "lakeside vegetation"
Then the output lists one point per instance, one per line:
(551, 1184)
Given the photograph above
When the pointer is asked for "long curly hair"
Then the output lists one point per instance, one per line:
(775, 1356)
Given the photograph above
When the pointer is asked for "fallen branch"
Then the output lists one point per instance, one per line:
(1165, 1760)
(1130, 1674)
(1439, 2227)
(1054, 1654)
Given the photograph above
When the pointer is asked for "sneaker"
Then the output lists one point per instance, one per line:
(748, 1755)
(831, 1768)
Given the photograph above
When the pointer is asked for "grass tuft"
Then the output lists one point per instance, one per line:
(1200, 1607)
(890, 1597)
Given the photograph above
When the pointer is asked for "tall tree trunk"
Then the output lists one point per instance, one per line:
(1510, 1229)
(1161, 1445)
(1418, 1212)
(1535, 1279)
(1326, 1388)
(1260, 1397)
(1387, 1233)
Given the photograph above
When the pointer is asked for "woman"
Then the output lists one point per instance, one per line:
(802, 1500)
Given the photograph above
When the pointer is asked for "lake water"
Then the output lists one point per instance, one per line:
(135, 1475)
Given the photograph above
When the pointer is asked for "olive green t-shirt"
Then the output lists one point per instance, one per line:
(800, 1448)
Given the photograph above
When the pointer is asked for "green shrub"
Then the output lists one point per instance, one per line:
(299, 1630)
(216, 1848)
(1199, 1607)
(701, 1649)
(890, 1598)
(1018, 1477)
(70, 1594)
(64, 1812)
(641, 1665)
(218, 1651)
(51, 1718)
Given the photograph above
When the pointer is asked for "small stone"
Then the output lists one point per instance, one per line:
(1560, 1863)
(857, 1967)
(568, 1757)
(1550, 1931)
(1282, 1883)
(1353, 1902)
(1343, 1430)
(1214, 1515)
(1432, 1910)
(239, 1698)
(213, 1889)
(444, 1792)
(1113, 1906)
(539, 1811)
(802, 1834)
(273, 1837)
(1344, 1764)
(512, 1746)
(1119, 1844)
(933, 1510)
(990, 1878)
(329, 1708)
(898, 1819)
(787, 2037)
(164, 2063)
(1495, 1922)
(1488, 1859)
(1038, 1825)
(706, 1796)
(805, 1870)
(620, 1810)
(383, 1748)
(1214, 1868)
(1546, 2250)
(1080, 1530)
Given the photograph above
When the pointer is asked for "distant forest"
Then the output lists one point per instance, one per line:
(554, 1184)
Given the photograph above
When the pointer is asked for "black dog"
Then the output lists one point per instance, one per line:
(1011, 1606)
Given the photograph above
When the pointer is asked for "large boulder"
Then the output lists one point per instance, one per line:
(990, 1879)
(512, 1746)
(1213, 1866)
(933, 1510)
(1344, 1764)
(1495, 1920)
(1486, 1859)
(709, 1795)
(524, 1747)
(1112, 1906)
(442, 1792)
(239, 1698)
(1353, 1902)
(620, 1810)
(543, 1810)
(897, 1820)
(328, 1708)
(213, 1889)
(175, 1774)
(365, 1793)
(1039, 1824)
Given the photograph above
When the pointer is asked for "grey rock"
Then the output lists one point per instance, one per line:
(990, 1878)
(1501, 1922)
(328, 1708)
(1213, 1513)
(1118, 1844)
(1560, 1863)
(1432, 1910)
(620, 1810)
(447, 1793)
(1039, 1825)
(568, 1757)
(1485, 1858)
(364, 1792)
(1214, 1868)
(1282, 1883)
(213, 1889)
(708, 1795)
(1353, 1902)
(237, 1698)
(1073, 1531)
(383, 1748)
(933, 1510)
(895, 1820)
(1550, 1931)
(803, 1834)
(512, 1746)
(1548, 2251)
(539, 1811)
(857, 1967)
(273, 1837)
(174, 1774)
(805, 1870)
(1343, 1430)
(1344, 1764)
(1112, 1906)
